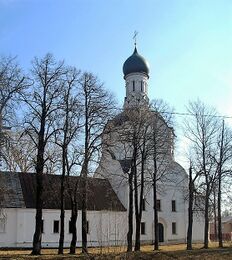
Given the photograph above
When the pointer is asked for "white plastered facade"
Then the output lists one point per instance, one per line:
(105, 228)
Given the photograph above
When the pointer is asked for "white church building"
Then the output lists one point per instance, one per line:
(107, 198)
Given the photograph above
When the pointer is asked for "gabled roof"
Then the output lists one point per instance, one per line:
(10, 191)
(100, 195)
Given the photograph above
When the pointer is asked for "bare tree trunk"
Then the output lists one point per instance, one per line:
(62, 209)
(137, 215)
(84, 210)
(130, 214)
(215, 215)
(39, 189)
(156, 221)
(137, 219)
(137, 234)
(74, 214)
(156, 233)
(206, 229)
(190, 211)
(38, 218)
(219, 187)
(140, 208)
(219, 215)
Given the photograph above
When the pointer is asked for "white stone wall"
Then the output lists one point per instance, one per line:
(9, 235)
(173, 189)
(136, 89)
(105, 228)
(137, 78)
(166, 216)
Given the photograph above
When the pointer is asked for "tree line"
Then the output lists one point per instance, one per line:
(62, 127)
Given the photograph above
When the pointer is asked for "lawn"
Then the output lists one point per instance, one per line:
(165, 252)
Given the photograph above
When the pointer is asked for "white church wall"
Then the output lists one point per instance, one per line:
(133, 83)
(171, 190)
(111, 169)
(198, 227)
(166, 215)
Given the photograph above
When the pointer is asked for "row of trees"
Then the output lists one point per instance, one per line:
(142, 140)
(149, 135)
(210, 157)
(64, 113)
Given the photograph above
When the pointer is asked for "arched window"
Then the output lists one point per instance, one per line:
(133, 85)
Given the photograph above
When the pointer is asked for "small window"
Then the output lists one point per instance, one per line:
(158, 205)
(141, 86)
(144, 204)
(133, 85)
(174, 228)
(143, 228)
(2, 225)
(42, 226)
(56, 226)
(173, 205)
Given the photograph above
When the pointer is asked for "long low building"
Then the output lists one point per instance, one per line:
(106, 215)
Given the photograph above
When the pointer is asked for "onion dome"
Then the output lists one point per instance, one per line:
(135, 63)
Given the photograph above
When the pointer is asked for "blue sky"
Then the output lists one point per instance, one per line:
(188, 43)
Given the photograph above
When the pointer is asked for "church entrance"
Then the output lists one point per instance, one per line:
(161, 232)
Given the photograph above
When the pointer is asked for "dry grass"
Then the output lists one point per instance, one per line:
(166, 252)
(179, 247)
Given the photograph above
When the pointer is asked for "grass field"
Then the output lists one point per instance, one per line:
(165, 252)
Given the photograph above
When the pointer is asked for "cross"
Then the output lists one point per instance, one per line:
(135, 36)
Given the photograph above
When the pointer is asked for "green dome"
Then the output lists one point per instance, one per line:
(135, 63)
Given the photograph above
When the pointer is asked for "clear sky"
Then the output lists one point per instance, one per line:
(188, 43)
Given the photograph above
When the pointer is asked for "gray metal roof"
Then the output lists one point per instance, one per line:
(11, 195)
(18, 190)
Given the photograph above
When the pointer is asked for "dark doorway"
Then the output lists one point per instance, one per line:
(161, 232)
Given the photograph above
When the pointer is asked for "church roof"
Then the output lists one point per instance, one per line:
(135, 63)
(18, 190)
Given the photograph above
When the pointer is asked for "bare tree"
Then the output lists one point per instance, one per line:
(132, 145)
(12, 83)
(73, 186)
(129, 136)
(42, 102)
(201, 130)
(161, 152)
(133, 134)
(98, 107)
(19, 153)
(194, 175)
(67, 123)
(222, 158)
